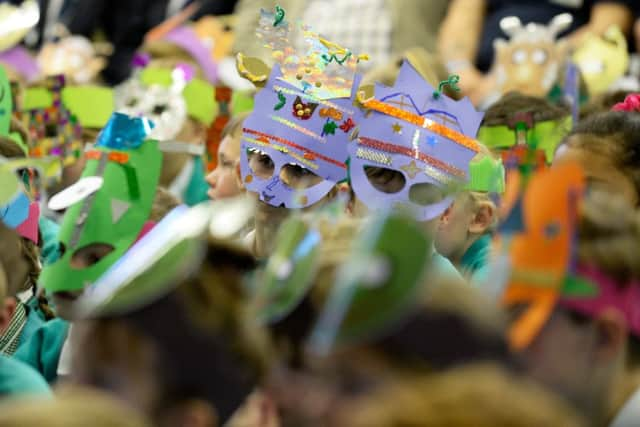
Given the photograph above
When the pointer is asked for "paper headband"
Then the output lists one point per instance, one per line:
(419, 132)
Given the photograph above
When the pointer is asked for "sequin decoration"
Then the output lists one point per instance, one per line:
(329, 128)
(397, 128)
(374, 156)
(297, 127)
(347, 125)
(423, 122)
(282, 101)
(398, 149)
(314, 99)
(292, 145)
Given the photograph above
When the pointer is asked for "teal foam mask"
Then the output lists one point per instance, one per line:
(110, 203)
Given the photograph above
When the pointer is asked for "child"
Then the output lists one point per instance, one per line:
(15, 377)
(224, 181)
(405, 157)
(573, 291)
(607, 146)
(294, 143)
(181, 344)
(466, 227)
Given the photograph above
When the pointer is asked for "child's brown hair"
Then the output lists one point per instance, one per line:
(503, 110)
(615, 135)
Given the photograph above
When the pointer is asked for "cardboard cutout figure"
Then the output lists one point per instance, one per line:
(602, 60)
(530, 60)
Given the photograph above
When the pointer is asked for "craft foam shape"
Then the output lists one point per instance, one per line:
(289, 272)
(376, 286)
(187, 39)
(36, 97)
(130, 168)
(6, 103)
(486, 175)
(92, 105)
(21, 61)
(422, 156)
(609, 294)
(541, 255)
(29, 227)
(277, 129)
(71, 195)
(16, 212)
(17, 21)
(602, 60)
(10, 185)
(530, 61)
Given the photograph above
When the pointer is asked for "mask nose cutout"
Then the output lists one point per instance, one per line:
(426, 194)
(90, 255)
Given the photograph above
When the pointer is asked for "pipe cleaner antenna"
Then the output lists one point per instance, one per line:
(452, 82)
(279, 16)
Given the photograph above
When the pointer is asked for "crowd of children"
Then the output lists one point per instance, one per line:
(295, 243)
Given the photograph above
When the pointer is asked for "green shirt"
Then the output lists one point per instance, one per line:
(42, 350)
(17, 378)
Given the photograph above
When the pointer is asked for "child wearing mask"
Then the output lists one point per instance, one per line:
(572, 290)
(413, 152)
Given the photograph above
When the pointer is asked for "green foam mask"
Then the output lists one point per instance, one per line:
(547, 134)
(289, 272)
(110, 204)
(6, 103)
(198, 94)
(376, 286)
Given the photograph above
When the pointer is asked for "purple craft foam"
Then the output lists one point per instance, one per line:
(315, 139)
(21, 61)
(188, 40)
(388, 142)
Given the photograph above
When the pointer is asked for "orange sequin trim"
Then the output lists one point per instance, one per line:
(114, 156)
(423, 122)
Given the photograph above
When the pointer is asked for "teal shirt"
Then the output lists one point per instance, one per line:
(35, 320)
(196, 191)
(42, 350)
(443, 268)
(475, 261)
(17, 378)
(50, 243)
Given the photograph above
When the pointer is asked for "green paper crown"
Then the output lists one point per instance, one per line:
(92, 105)
(547, 135)
(198, 94)
(486, 175)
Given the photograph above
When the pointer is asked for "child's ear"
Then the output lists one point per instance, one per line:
(238, 175)
(611, 332)
(7, 310)
(483, 219)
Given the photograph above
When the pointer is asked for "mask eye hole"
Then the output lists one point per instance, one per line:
(388, 181)
(159, 109)
(426, 194)
(261, 163)
(90, 255)
(298, 177)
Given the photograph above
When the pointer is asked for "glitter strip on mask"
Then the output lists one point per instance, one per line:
(423, 122)
(114, 156)
(373, 156)
(312, 98)
(297, 127)
(398, 149)
(438, 176)
(312, 154)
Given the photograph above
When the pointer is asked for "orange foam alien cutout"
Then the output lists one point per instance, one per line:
(530, 60)
(541, 254)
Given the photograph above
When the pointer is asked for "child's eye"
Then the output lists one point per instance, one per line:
(227, 164)
(261, 164)
(159, 109)
(132, 102)
(298, 177)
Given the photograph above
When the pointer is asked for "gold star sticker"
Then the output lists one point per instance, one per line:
(397, 128)
(411, 169)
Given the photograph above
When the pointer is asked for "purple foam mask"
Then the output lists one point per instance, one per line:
(21, 61)
(187, 39)
(430, 161)
(291, 127)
